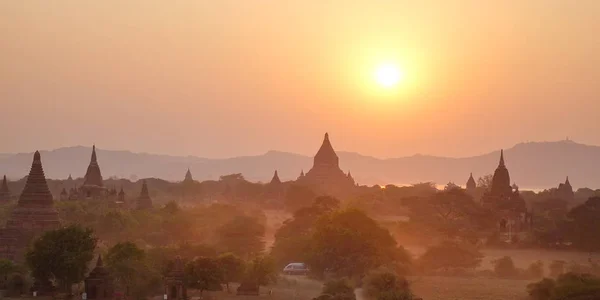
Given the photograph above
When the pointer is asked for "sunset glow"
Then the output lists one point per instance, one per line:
(388, 75)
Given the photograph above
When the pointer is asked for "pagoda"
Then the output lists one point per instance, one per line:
(93, 186)
(99, 283)
(275, 189)
(175, 288)
(4, 191)
(565, 191)
(121, 196)
(33, 215)
(326, 177)
(144, 201)
(188, 177)
(501, 181)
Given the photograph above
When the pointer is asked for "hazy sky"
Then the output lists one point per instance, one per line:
(240, 77)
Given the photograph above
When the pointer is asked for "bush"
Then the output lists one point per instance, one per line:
(536, 270)
(338, 289)
(557, 268)
(450, 255)
(505, 267)
(384, 284)
(569, 286)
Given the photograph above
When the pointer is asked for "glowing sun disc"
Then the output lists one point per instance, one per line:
(388, 75)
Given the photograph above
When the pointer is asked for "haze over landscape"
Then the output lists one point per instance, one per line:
(298, 149)
(221, 79)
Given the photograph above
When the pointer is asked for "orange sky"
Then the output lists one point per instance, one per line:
(227, 78)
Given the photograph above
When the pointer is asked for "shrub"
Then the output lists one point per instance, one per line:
(557, 268)
(450, 255)
(536, 270)
(338, 289)
(384, 284)
(569, 286)
(505, 267)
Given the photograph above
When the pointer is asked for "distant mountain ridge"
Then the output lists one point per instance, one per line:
(533, 165)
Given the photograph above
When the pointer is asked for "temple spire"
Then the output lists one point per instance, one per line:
(36, 188)
(94, 158)
(188, 176)
(502, 158)
(326, 155)
(4, 191)
(144, 201)
(275, 179)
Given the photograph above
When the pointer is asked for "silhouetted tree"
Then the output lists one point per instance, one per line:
(242, 236)
(62, 255)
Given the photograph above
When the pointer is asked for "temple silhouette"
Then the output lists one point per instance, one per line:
(34, 214)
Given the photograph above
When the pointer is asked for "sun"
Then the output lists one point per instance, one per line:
(388, 75)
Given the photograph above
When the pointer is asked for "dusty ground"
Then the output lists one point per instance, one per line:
(454, 288)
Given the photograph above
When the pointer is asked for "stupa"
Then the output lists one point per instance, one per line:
(4, 191)
(99, 283)
(326, 177)
(93, 186)
(144, 201)
(33, 215)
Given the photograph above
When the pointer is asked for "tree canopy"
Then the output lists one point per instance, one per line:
(63, 255)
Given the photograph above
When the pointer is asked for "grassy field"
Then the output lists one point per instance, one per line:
(454, 288)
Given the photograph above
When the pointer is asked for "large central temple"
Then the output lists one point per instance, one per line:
(34, 214)
(93, 186)
(326, 177)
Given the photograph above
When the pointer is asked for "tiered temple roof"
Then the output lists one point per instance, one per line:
(188, 176)
(471, 184)
(4, 191)
(325, 176)
(501, 181)
(99, 283)
(93, 176)
(144, 201)
(34, 213)
(275, 180)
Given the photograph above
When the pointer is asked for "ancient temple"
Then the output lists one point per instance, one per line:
(174, 281)
(501, 181)
(301, 175)
(565, 190)
(326, 177)
(99, 283)
(93, 186)
(4, 191)
(34, 214)
(144, 201)
(275, 190)
(471, 185)
(121, 196)
(188, 177)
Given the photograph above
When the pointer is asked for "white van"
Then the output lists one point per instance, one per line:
(296, 269)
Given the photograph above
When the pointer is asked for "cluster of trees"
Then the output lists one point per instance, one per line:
(344, 242)
(570, 286)
(168, 225)
(63, 257)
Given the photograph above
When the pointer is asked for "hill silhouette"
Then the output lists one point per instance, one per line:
(533, 165)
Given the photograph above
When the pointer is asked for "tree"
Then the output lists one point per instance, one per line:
(349, 243)
(261, 271)
(584, 225)
(232, 268)
(452, 213)
(242, 236)
(485, 182)
(128, 266)
(383, 284)
(450, 255)
(568, 286)
(7, 267)
(292, 240)
(204, 274)
(63, 255)
(505, 267)
(339, 289)
(298, 196)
